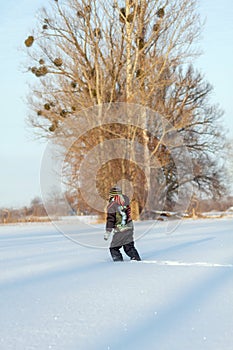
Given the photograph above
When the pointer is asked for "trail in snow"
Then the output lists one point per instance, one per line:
(182, 263)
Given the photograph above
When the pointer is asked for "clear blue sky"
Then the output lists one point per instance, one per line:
(20, 155)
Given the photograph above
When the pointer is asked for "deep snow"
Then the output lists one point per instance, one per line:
(55, 294)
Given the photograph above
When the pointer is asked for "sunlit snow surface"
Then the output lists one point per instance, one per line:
(56, 294)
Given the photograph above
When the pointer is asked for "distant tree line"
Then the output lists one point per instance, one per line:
(36, 212)
(30, 213)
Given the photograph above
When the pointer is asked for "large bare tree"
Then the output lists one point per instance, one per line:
(89, 53)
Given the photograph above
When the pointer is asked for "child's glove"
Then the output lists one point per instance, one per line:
(106, 235)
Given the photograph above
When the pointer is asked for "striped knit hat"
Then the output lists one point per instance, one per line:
(115, 191)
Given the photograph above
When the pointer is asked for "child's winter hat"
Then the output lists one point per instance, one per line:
(115, 191)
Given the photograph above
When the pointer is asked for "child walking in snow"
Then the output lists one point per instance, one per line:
(119, 222)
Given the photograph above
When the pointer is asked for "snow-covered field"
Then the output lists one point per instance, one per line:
(55, 294)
